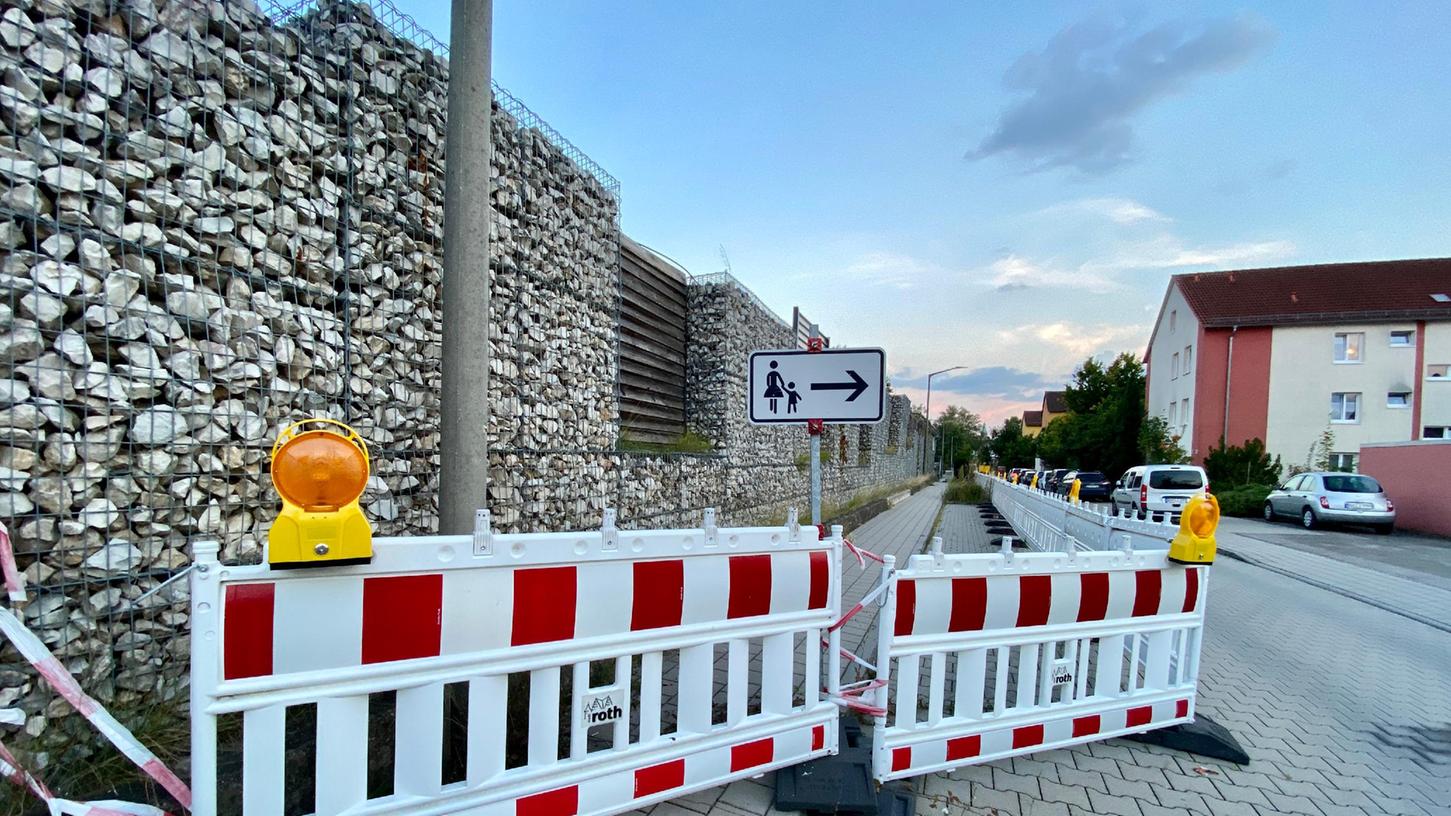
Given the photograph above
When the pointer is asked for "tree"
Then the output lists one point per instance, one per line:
(1013, 449)
(1231, 466)
(1158, 446)
(1104, 424)
(1320, 456)
(962, 435)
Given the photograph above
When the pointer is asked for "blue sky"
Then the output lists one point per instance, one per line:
(1005, 187)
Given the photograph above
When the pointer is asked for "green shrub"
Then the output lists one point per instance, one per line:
(1241, 465)
(965, 491)
(688, 442)
(1247, 500)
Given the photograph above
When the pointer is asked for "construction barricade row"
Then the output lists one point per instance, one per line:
(984, 656)
(555, 674)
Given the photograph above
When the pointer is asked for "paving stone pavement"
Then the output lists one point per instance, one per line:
(963, 531)
(1343, 707)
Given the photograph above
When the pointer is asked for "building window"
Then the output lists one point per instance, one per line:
(1184, 416)
(1403, 338)
(1436, 432)
(1348, 347)
(1173, 319)
(1188, 357)
(1438, 372)
(1344, 462)
(1173, 414)
(1344, 407)
(1398, 399)
(1174, 367)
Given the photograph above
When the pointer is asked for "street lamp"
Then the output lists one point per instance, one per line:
(927, 454)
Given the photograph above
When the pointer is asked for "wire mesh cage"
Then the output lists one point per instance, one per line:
(217, 219)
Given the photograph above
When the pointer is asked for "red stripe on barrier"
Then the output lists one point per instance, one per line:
(1092, 596)
(1087, 726)
(544, 600)
(750, 586)
(1147, 586)
(818, 737)
(1143, 715)
(402, 617)
(906, 608)
(659, 594)
(247, 630)
(750, 754)
(560, 802)
(657, 778)
(964, 747)
(1035, 597)
(901, 759)
(1191, 589)
(969, 604)
(1181, 708)
(1027, 736)
(820, 581)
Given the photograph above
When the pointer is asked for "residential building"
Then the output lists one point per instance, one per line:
(1283, 354)
(1032, 423)
(1055, 404)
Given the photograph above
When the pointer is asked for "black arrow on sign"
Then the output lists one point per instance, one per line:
(856, 386)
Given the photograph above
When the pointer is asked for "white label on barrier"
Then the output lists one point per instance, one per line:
(1062, 672)
(601, 708)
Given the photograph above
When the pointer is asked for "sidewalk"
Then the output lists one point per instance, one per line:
(1410, 599)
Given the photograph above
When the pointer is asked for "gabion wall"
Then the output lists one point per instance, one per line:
(216, 221)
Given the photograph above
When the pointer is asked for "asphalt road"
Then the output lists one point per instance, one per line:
(1420, 558)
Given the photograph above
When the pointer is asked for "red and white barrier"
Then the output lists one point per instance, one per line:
(433, 611)
(984, 656)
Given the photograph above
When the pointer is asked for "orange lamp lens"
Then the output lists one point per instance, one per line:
(319, 471)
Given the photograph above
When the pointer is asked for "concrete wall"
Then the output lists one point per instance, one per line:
(1304, 373)
(1412, 474)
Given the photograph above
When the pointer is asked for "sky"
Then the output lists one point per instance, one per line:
(1003, 187)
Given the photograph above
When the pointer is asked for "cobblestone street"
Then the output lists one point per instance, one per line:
(1343, 707)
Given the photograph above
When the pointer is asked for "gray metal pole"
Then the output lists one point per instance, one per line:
(816, 478)
(463, 444)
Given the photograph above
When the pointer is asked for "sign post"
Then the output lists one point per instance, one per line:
(813, 387)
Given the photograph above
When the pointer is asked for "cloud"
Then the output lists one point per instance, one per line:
(891, 269)
(1169, 252)
(1082, 340)
(1084, 88)
(1118, 210)
(1015, 272)
(988, 381)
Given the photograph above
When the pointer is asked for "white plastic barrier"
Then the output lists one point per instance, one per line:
(648, 608)
(983, 656)
(1051, 523)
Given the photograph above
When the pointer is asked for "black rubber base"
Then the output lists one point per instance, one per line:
(339, 562)
(840, 784)
(1203, 736)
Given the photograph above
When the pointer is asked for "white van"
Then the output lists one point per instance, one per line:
(1159, 488)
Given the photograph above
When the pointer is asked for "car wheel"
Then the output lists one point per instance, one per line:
(1308, 520)
(1139, 511)
(1385, 529)
(1269, 512)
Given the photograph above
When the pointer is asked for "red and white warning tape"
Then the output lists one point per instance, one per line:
(65, 684)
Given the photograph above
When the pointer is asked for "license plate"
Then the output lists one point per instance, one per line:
(1176, 504)
(1359, 506)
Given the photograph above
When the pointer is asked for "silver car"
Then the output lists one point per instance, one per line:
(1317, 498)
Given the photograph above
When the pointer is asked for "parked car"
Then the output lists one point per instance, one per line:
(1149, 489)
(1094, 486)
(1347, 498)
(1055, 477)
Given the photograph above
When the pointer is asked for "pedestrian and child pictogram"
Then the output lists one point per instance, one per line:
(833, 385)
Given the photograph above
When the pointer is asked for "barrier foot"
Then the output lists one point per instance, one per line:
(1203, 736)
(835, 784)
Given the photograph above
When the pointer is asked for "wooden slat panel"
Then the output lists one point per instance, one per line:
(652, 345)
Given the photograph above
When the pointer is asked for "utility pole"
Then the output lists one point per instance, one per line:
(927, 445)
(464, 444)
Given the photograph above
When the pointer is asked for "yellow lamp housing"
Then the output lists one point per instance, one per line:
(1195, 542)
(1073, 491)
(1034, 483)
(320, 472)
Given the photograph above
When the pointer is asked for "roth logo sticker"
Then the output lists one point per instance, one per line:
(601, 708)
(1062, 672)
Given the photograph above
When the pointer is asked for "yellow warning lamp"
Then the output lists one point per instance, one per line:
(1073, 491)
(1034, 484)
(1195, 542)
(319, 472)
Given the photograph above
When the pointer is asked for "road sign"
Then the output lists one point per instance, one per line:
(835, 385)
